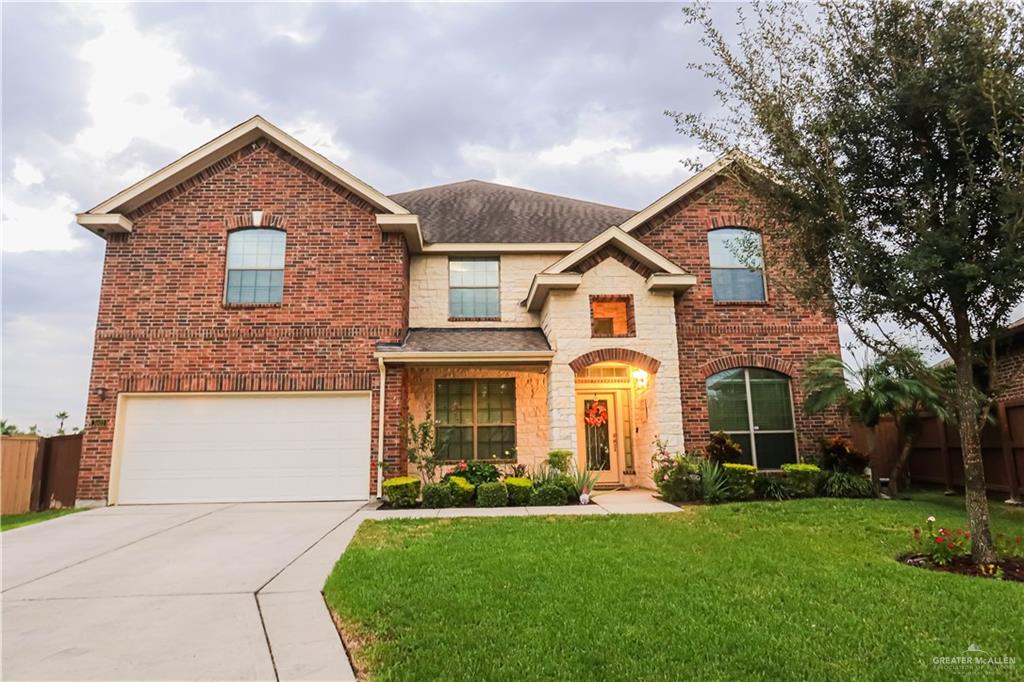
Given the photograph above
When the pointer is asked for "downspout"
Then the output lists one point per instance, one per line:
(380, 427)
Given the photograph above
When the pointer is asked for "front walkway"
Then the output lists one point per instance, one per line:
(200, 592)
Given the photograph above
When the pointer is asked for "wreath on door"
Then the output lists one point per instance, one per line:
(596, 415)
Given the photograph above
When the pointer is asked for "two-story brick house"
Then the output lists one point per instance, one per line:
(267, 321)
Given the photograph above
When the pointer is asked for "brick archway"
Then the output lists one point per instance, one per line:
(630, 357)
(748, 360)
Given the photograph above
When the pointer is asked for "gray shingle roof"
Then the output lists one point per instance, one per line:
(470, 340)
(477, 211)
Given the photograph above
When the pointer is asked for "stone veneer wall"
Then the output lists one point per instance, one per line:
(428, 287)
(566, 321)
(531, 402)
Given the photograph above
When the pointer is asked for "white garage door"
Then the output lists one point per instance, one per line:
(244, 448)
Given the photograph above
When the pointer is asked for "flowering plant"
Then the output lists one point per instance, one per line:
(944, 545)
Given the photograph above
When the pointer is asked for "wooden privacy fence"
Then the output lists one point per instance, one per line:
(937, 458)
(38, 473)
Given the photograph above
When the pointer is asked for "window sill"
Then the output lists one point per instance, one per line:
(613, 336)
(742, 304)
(244, 306)
(474, 319)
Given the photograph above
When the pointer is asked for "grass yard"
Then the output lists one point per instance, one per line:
(805, 589)
(10, 521)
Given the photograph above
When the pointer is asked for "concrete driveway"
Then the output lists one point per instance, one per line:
(175, 592)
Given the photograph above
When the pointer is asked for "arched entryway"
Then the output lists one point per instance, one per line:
(612, 416)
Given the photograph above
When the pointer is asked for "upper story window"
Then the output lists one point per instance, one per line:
(255, 266)
(755, 407)
(473, 288)
(737, 265)
(611, 316)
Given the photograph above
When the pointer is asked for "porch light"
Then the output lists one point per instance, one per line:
(640, 377)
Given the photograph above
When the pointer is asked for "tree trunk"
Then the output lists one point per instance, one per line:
(896, 475)
(982, 548)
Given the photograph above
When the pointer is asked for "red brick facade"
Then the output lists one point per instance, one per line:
(163, 325)
(780, 334)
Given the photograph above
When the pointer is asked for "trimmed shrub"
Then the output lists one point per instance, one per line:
(492, 494)
(567, 485)
(462, 491)
(839, 484)
(740, 480)
(437, 495)
(519, 491)
(548, 496)
(559, 459)
(402, 492)
(722, 449)
(802, 479)
(772, 485)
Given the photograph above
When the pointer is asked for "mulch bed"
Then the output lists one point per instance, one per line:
(1012, 569)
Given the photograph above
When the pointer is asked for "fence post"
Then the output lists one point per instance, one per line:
(1009, 460)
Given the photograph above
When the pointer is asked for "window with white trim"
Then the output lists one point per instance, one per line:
(737, 265)
(255, 272)
(755, 407)
(473, 285)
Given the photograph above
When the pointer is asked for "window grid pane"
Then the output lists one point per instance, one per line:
(473, 287)
(255, 266)
(771, 407)
(493, 424)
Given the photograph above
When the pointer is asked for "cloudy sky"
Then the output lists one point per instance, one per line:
(567, 99)
(564, 98)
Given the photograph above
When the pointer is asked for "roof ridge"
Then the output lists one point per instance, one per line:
(518, 189)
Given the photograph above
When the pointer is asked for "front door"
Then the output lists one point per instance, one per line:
(598, 435)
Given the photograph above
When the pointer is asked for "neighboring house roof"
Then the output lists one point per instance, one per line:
(109, 215)
(462, 344)
(477, 211)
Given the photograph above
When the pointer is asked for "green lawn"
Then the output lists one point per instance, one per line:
(803, 589)
(9, 521)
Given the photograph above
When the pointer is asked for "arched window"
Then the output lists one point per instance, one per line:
(255, 266)
(737, 267)
(755, 407)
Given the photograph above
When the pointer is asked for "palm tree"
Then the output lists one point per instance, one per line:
(898, 384)
(62, 415)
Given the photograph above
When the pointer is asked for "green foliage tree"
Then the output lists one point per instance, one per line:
(61, 416)
(890, 172)
(7, 428)
(898, 384)
(423, 446)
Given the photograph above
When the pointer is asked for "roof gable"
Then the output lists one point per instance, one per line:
(110, 214)
(690, 185)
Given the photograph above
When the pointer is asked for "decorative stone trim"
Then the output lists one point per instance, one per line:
(475, 319)
(748, 360)
(255, 219)
(731, 219)
(202, 382)
(631, 357)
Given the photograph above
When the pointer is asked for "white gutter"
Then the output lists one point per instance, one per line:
(380, 427)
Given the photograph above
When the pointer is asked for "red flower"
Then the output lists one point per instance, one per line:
(939, 540)
(967, 535)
